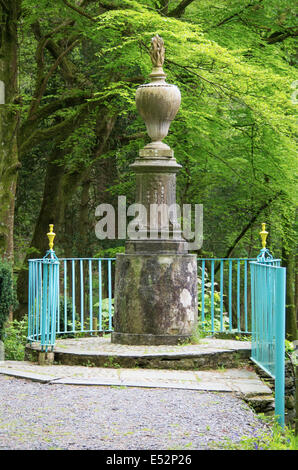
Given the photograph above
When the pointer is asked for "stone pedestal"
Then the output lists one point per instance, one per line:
(156, 298)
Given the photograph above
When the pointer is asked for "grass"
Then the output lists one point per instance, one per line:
(278, 439)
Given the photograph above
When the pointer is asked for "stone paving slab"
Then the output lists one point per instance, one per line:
(241, 381)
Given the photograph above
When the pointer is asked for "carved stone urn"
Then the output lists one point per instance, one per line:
(157, 102)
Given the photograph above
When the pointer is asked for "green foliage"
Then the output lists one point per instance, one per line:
(277, 439)
(207, 325)
(15, 339)
(105, 312)
(110, 252)
(7, 294)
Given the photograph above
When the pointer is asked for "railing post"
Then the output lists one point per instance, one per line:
(280, 345)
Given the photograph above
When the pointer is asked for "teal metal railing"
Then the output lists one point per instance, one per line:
(268, 281)
(86, 295)
(69, 296)
(73, 296)
(224, 294)
(43, 300)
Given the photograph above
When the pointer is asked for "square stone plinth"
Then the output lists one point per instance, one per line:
(155, 298)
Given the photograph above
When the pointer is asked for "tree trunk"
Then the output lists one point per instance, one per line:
(57, 192)
(9, 122)
(60, 186)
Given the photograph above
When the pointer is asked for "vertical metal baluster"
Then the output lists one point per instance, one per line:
(267, 326)
(230, 294)
(82, 293)
(264, 318)
(261, 294)
(30, 330)
(212, 296)
(245, 296)
(73, 295)
(253, 327)
(34, 291)
(100, 296)
(57, 280)
(65, 295)
(50, 304)
(44, 305)
(203, 295)
(55, 303)
(38, 294)
(110, 292)
(270, 323)
(90, 295)
(257, 307)
(280, 287)
(38, 319)
(238, 295)
(221, 295)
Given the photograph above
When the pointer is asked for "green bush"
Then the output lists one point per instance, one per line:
(205, 327)
(15, 339)
(105, 312)
(277, 439)
(7, 294)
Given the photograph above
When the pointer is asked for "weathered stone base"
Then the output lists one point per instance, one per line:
(171, 361)
(155, 298)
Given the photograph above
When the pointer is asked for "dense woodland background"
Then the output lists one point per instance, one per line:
(69, 127)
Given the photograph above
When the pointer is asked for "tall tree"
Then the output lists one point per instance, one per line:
(234, 133)
(9, 121)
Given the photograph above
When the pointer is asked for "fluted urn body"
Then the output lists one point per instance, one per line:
(158, 103)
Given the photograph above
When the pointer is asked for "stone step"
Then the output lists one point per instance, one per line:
(243, 381)
(209, 353)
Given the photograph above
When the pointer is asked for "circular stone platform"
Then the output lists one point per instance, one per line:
(100, 352)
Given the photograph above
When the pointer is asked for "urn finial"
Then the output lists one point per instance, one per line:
(157, 51)
(158, 101)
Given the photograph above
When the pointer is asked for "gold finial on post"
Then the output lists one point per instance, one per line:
(51, 235)
(264, 235)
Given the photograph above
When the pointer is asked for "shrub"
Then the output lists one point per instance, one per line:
(205, 327)
(15, 339)
(7, 294)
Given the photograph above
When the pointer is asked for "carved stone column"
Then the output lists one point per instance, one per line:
(156, 279)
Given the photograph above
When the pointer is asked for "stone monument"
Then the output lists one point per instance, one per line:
(156, 278)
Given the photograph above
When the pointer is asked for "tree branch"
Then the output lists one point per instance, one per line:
(281, 36)
(249, 224)
(56, 132)
(180, 9)
(4, 6)
(66, 66)
(229, 18)
(78, 10)
(42, 82)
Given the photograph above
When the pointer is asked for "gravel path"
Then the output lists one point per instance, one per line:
(36, 416)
